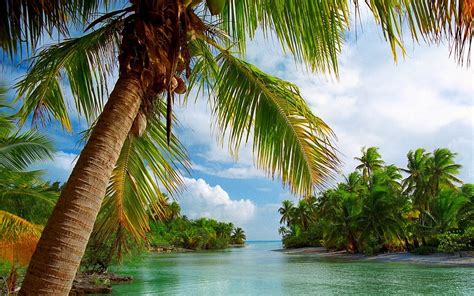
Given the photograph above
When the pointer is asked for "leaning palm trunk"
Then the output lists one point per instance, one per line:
(64, 239)
(145, 65)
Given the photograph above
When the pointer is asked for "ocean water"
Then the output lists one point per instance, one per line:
(257, 270)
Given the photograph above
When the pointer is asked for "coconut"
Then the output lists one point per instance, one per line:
(139, 124)
(215, 6)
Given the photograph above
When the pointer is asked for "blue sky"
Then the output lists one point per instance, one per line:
(425, 100)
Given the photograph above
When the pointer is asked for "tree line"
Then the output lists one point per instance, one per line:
(422, 208)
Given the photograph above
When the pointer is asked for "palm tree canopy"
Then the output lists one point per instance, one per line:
(370, 161)
(286, 212)
(313, 31)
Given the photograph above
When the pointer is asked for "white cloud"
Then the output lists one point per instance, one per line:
(239, 171)
(204, 200)
(59, 168)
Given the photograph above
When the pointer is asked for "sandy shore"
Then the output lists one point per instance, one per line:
(435, 259)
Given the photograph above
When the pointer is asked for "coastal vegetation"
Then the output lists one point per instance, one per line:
(160, 49)
(423, 208)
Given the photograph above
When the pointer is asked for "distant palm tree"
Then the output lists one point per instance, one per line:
(303, 214)
(353, 183)
(174, 210)
(445, 209)
(286, 212)
(370, 161)
(378, 217)
(238, 236)
(443, 170)
(416, 183)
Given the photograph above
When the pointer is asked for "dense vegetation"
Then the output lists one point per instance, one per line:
(171, 232)
(422, 208)
(200, 234)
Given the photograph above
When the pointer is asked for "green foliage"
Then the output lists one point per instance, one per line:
(374, 210)
(200, 234)
(25, 200)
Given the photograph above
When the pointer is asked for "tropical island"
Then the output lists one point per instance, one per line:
(422, 209)
(95, 91)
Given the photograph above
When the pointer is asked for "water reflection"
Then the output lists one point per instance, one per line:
(255, 270)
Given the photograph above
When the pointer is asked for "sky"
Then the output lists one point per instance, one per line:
(424, 100)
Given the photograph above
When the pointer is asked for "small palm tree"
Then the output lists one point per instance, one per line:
(164, 45)
(238, 236)
(303, 214)
(286, 211)
(370, 161)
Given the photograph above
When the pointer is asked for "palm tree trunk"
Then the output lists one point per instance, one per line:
(59, 252)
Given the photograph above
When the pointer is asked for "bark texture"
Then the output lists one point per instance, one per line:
(59, 251)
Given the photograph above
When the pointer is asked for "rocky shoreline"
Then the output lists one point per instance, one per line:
(443, 259)
(96, 283)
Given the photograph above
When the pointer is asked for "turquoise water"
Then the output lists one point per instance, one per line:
(256, 270)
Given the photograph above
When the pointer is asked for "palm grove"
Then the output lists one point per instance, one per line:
(163, 48)
(376, 209)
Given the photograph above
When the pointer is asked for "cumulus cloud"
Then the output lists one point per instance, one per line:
(59, 168)
(204, 200)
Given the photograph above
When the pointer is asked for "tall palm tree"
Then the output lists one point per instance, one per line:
(370, 161)
(160, 43)
(443, 170)
(303, 214)
(286, 211)
(415, 184)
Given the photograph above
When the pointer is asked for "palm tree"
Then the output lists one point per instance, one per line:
(160, 43)
(369, 162)
(303, 214)
(443, 171)
(238, 236)
(415, 184)
(445, 210)
(378, 217)
(353, 183)
(174, 210)
(286, 211)
(341, 210)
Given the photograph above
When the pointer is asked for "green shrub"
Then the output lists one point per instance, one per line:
(452, 242)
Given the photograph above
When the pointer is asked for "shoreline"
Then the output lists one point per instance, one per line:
(439, 259)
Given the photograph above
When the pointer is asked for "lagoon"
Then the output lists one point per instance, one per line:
(256, 270)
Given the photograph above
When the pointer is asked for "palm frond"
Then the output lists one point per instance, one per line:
(204, 68)
(288, 139)
(430, 20)
(18, 151)
(311, 30)
(83, 63)
(133, 193)
(18, 238)
(24, 22)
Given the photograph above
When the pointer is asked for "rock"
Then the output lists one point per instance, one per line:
(96, 283)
